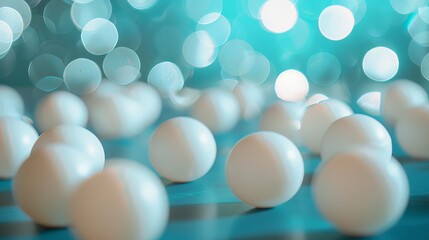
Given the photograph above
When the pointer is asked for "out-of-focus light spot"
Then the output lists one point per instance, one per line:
(99, 36)
(7, 63)
(278, 16)
(416, 52)
(232, 55)
(336, 22)
(370, 103)
(27, 44)
(33, 3)
(291, 85)
(380, 64)
(82, 13)
(316, 98)
(198, 49)
(418, 27)
(56, 16)
(408, 6)
(142, 4)
(82, 76)
(46, 71)
(13, 19)
(22, 7)
(258, 68)
(122, 66)
(424, 67)
(358, 7)
(323, 69)
(6, 38)
(196, 9)
(82, 1)
(216, 26)
(167, 78)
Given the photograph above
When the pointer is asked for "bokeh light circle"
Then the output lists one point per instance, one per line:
(380, 64)
(6, 38)
(22, 7)
(291, 85)
(198, 49)
(323, 69)
(167, 78)
(232, 55)
(142, 4)
(278, 16)
(122, 66)
(258, 69)
(99, 36)
(336, 22)
(13, 19)
(56, 16)
(424, 66)
(196, 9)
(82, 13)
(217, 27)
(82, 76)
(46, 71)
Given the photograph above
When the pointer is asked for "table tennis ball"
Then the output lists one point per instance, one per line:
(355, 132)
(148, 99)
(264, 169)
(125, 201)
(11, 103)
(17, 140)
(251, 99)
(46, 180)
(361, 193)
(284, 118)
(182, 149)
(400, 96)
(61, 108)
(317, 119)
(77, 137)
(412, 131)
(218, 109)
(115, 116)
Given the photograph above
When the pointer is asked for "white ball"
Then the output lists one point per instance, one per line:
(361, 193)
(125, 201)
(264, 169)
(356, 132)
(317, 119)
(11, 103)
(400, 96)
(251, 99)
(74, 136)
(17, 140)
(45, 182)
(218, 109)
(61, 108)
(412, 131)
(182, 149)
(284, 118)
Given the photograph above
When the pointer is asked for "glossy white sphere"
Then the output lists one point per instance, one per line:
(356, 132)
(400, 96)
(61, 108)
(251, 99)
(16, 141)
(74, 136)
(45, 182)
(11, 103)
(264, 169)
(361, 193)
(125, 201)
(317, 119)
(412, 131)
(182, 149)
(284, 118)
(218, 109)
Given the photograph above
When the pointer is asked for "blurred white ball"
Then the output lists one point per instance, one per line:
(11, 102)
(250, 98)
(182, 149)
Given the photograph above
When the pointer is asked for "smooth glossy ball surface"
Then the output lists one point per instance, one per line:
(264, 169)
(61, 108)
(45, 182)
(412, 131)
(16, 141)
(11, 102)
(284, 118)
(218, 109)
(361, 193)
(74, 136)
(356, 132)
(125, 201)
(318, 118)
(182, 149)
(400, 96)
